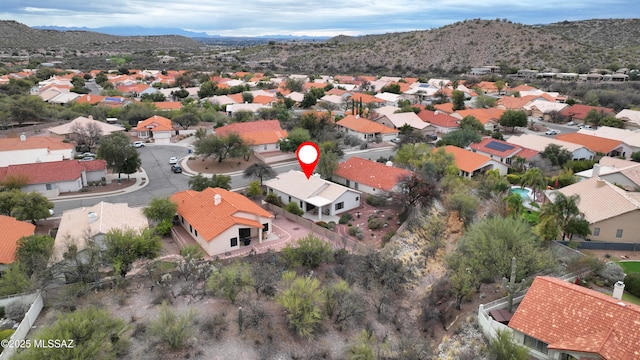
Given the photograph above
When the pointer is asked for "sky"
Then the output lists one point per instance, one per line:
(304, 17)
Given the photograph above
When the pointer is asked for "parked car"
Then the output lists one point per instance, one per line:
(571, 123)
(173, 160)
(552, 132)
(88, 154)
(138, 144)
(176, 168)
(395, 140)
(583, 126)
(87, 158)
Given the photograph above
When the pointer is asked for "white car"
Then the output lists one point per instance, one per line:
(552, 132)
(173, 160)
(138, 144)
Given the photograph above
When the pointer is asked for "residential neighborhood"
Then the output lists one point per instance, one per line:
(500, 206)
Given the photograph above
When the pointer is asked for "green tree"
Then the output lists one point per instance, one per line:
(160, 209)
(564, 213)
(310, 251)
(471, 122)
(34, 252)
(535, 179)
(612, 121)
(503, 347)
(557, 155)
(457, 98)
(173, 329)
(186, 119)
(200, 182)
(513, 118)
(119, 156)
(362, 347)
(153, 97)
(412, 156)
(259, 170)
(26, 108)
(123, 247)
(14, 280)
(136, 112)
(96, 333)
(461, 138)
(391, 88)
(229, 281)
(594, 117)
(293, 208)
(207, 89)
(329, 158)
(296, 137)
(500, 84)
(302, 299)
(308, 100)
(31, 206)
(247, 97)
(465, 203)
(221, 147)
(254, 190)
(294, 85)
(485, 101)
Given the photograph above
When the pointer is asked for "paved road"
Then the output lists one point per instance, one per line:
(163, 182)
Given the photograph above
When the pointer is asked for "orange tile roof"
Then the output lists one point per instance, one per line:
(137, 88)
(371, 173)
(487, 86)
(335, 91)
(466, 160)
(439, 118)
(90, 99)
(34, 142)
(366, 98)
(484, 146)
(593, 143)
(580, 111)
(365, 126)
(314, 85)
(527, 153)
(211, 220)
(446, 107)
(157, 123)
(524, 87)
(54, 171)
(237, 98)
(512, 102)
(12, 231)
(483, 115)
(573, 318)
(263, 99)
(255, 132)
(367, 78)
(411, 80)
(343, 79)
(168, 105)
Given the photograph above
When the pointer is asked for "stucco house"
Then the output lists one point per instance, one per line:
(366, 129)
(53, 178)
(262, 135)
(499, 150)
(471, 164)
(631, 118)
(608, 147)
(490, 117)
(12, 231)
(315, 196)
(79, 226)
(539, 143)
(631, 138)
(220, 220)
(158, 128)
(69, 129)
(398, 120)
(443, 122)
(622, 173)
(34, 149)
(579, 112)
(370, 177)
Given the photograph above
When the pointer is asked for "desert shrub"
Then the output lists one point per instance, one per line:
(293, 208)
(274, 199)
(513, 179)
(375, 200)
(214, 325)
(357, 232)
(612, 272)
(173, 329)
(323, 224)
(375, 224)
(5, 334)
(163, 227)
(345, 218)
(331, 224)
(310, 251)
(632, 284)
(16, 311)
(387, 237)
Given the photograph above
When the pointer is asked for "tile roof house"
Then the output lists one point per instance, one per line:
(68, 130)
(443, 122)
(497, 149)
(560, 320)
(369, 176)
(631, 118)
(366, 129)
(398, 120)
(262, 135)
(78, 226)
(158, 128)
(490, 117)
(220, 220)
(597, 144)
(539, 143)
(613, 213)
(12, 231)
(579, 111)
(446, 108)
(471, 164)
(55, 177)
(315, 196)
(544, 108)
(168, 105)
(622, 173)
(631, 138)
(32, 149)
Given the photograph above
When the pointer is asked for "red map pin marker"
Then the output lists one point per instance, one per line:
(308, 154)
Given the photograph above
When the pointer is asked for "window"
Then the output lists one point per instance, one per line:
(596, 231)
(619, 233)
(535, 344)
(357, 198)
(567, 357)
(190, 228)
(355, 186)
(234, 241)
(265, 147)
(182, 219)
(289, 199)
(265, 227)
(196, 232)
(49, 187)
(348, 183)
(340, 205)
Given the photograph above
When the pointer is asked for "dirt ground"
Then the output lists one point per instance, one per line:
(608, 255)
(211, 166)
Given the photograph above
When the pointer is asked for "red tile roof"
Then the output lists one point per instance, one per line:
(466, 160)
(255, 132)
(527, 153)
(446, 107)
(439, 118)
(580, 111)
(168, 105)
(211, 220)
(12, 231)
(487, 145)
(573, 318)
(593, 143)
(156, 123)
(365, 126)
(371, 173)
(366, 98)
(54, 171)
(34, 142)
(483, 115)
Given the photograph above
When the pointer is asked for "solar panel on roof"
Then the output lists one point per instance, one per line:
(498, 146)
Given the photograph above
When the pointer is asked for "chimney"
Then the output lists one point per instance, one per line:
(618, 289)
(389, 163)
(357, 116)
(92, 217)
(23, 137)
(91, 117)
(596, 170)
(217, 199)
(599, 183)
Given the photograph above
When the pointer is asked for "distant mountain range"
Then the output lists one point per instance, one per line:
(153, 31)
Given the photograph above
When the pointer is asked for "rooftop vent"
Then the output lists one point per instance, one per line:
(217, 199)
(92, 217)
(618, 290)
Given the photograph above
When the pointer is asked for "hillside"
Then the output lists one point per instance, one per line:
(460, 46)
(15, 36)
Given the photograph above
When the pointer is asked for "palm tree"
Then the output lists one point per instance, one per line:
(535, 179)
(260, 171)
(514, 205)
(565, 213)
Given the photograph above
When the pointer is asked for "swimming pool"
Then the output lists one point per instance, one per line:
(525, 193)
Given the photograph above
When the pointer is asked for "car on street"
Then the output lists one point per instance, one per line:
(173, 160)
(571, 123)
(87, 158)
(582, 126)
(138, 144)
(552, 132)
(88, 154)
(395, 140)
(176, 168)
